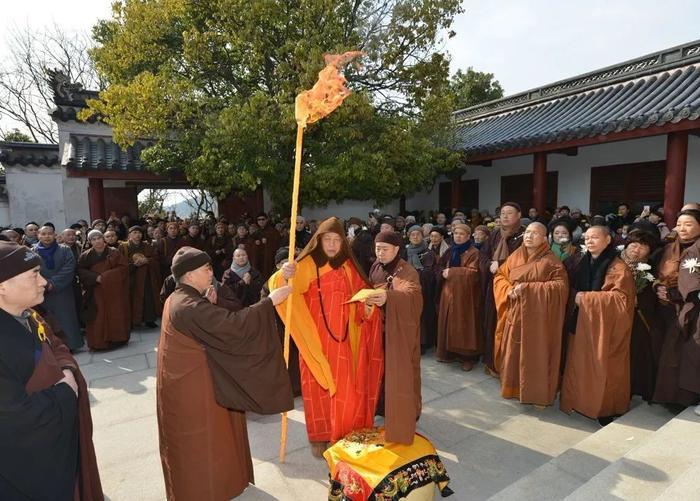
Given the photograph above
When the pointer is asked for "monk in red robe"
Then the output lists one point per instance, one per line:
(213, 364)
(401, 299)
(459, 318)
(104, 276)
(530, 289)
(144, 278)
(494, 252)
(340, 344)
(597, 373)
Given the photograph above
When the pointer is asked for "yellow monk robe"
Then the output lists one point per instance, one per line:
(363, 465)
(528, 332)
(341, 367)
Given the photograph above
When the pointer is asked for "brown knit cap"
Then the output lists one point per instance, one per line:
(16, 259)
(188, 259)
(388, 237)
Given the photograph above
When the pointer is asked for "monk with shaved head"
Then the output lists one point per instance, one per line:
(597, 375)
(530, 290)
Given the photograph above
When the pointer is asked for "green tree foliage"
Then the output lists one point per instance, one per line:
(474, 87)
(214, 82)
(17, 136)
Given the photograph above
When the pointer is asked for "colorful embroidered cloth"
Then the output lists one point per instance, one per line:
(364, 467)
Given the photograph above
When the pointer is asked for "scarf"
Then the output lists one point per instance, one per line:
(47, 253)
(562, 251)
(501, 252)
(457, 251)
(240, 270)
(414, 253)
(590, 274)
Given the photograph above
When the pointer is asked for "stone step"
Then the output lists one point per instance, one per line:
(571, 469)
(652, 469)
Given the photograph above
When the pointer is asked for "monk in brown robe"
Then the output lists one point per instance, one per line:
(494, 252)
(678, 379)
(104, 276)
(531, 289)
(194, 237)
(400, 297)
(459, 316)
(144, 278)
(213, 364)
(220, 249)
(597, 373)
(341, 355)
(268, 240)
(45, 421)
(167, 247)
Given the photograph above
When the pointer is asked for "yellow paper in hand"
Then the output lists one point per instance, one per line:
(362, 295)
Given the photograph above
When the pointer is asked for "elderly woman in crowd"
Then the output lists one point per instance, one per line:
(242, 279)
(678, 286)
(647, 336)
(419, 255)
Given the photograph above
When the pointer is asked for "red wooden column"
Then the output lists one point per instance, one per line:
(674, 186)
(539, 183)
(456, 194)
(96, 198)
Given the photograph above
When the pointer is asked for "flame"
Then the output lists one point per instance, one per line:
(328, 92)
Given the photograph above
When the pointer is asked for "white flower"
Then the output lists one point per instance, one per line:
(691, 264)
(649, 277)
(584, 249)
(643, 267)
(620, 248)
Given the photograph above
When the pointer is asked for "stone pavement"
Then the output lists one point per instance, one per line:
(487, 443)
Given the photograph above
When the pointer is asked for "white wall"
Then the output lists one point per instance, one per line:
(4, 214)
(75, 197)
(35, 194)
(692, 176)
(348, 209)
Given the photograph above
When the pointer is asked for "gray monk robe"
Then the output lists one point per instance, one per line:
(212, 364)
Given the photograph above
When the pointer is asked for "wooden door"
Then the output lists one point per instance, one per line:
(637, 184)
(519, 188)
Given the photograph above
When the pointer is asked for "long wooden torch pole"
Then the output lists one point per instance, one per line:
(292, 245)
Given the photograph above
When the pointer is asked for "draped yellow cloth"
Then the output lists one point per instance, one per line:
(363, 463)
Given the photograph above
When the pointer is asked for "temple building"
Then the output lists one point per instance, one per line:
(626, 133)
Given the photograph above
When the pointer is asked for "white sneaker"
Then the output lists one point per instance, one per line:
(697, 410)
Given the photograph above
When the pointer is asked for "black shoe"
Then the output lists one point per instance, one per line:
(151, 325)
(605, 421)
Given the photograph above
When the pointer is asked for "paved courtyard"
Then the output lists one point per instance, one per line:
(487, 443)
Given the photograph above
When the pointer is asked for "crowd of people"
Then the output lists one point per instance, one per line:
(592, 309)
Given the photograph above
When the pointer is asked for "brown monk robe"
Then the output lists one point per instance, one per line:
(220, 249)
(459, 315)
(45, 430)
(402, 301)
(213, 364)
(494, 252)
(597, 372)
(678, 378)
(194, 237)
(268, 240)
(104, 276)
(144, 278)
(167, 246)
(530, 289)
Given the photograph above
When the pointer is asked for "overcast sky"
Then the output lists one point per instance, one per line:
(525, 43)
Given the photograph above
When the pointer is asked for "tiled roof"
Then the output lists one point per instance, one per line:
(24, 154)
(649, 91)
(85, 152)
